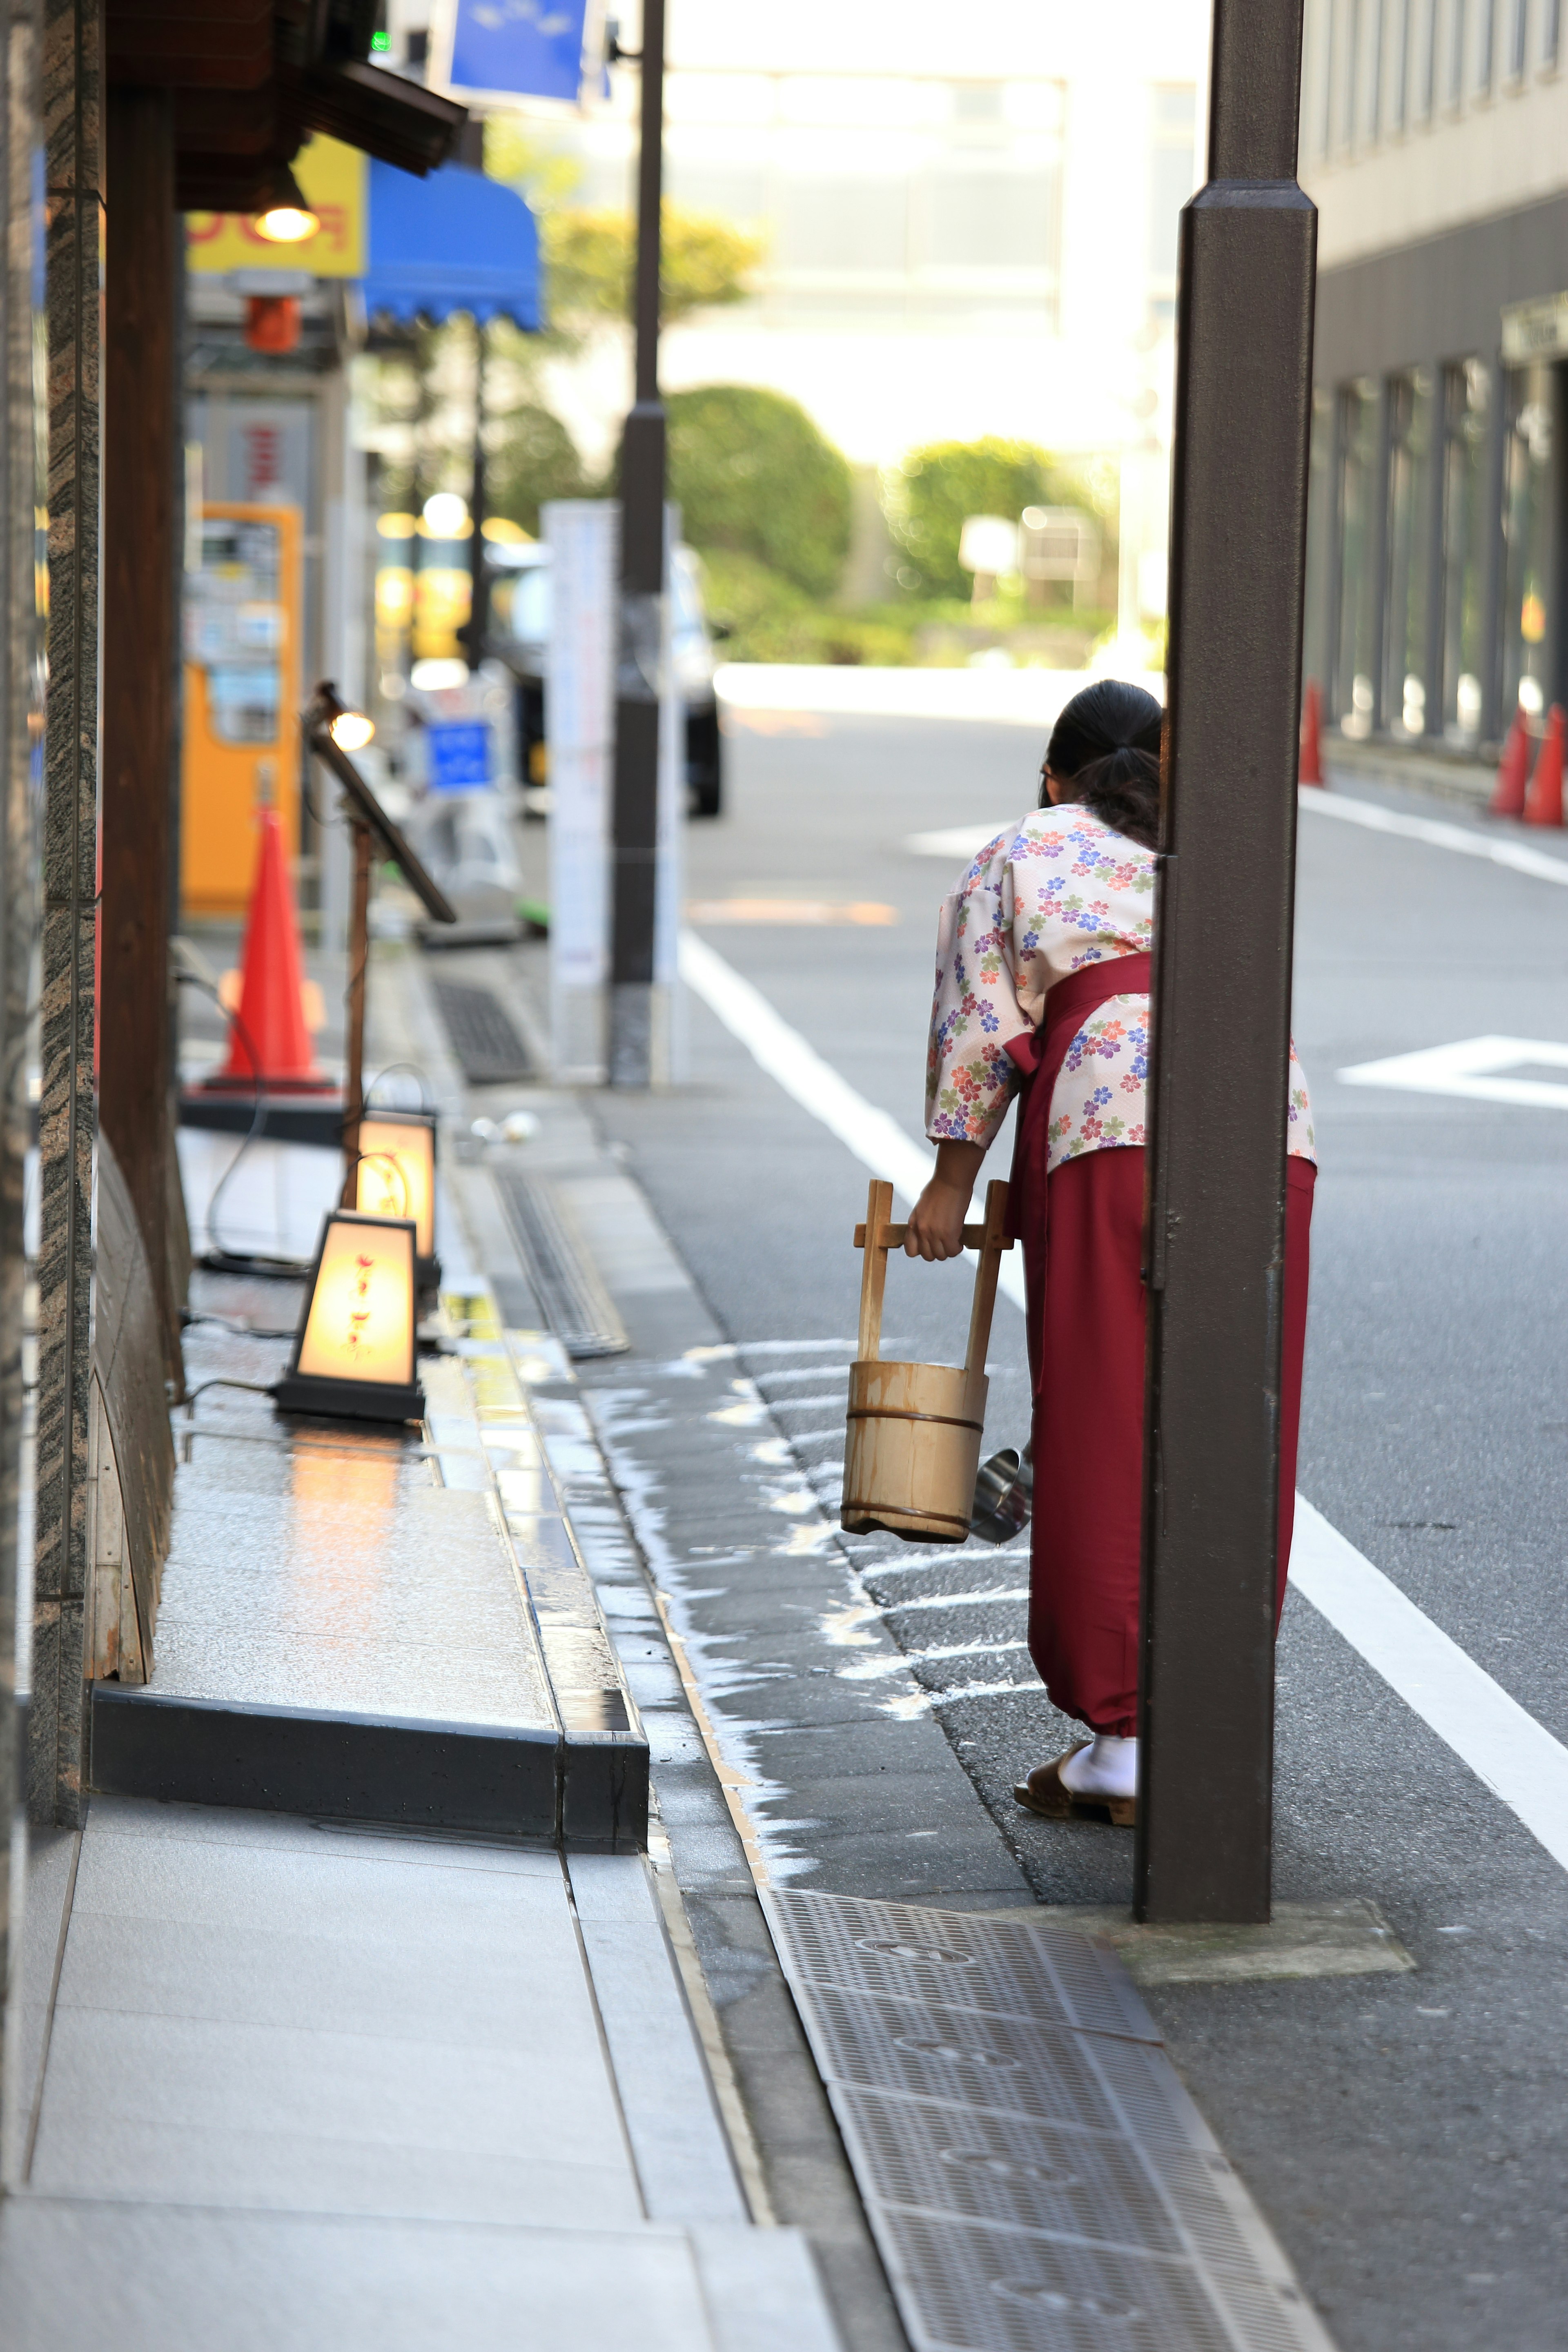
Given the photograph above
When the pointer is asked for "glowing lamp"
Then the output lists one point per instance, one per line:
(283, 217)
(351, 731)
(398, 1179)
(353, 1354)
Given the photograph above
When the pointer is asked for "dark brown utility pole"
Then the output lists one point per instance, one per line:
(634, 824)
(143, 569)
(1222, 990)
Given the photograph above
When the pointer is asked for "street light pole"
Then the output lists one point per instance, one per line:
(1222, 990)
(634, 790)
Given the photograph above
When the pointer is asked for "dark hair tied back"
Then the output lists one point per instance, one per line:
(1106, 745)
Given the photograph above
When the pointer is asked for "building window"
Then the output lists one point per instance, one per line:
(1456, 89)
(1399, 95)
(1376, 12)
(1355, 655)
(1467, 397)
(1518, 33)
(1550, 31)
(1315, 660)
(1354, 16)
(1426, 62)
(1486, 47)
(1526, 533)
(1171, 176)
(1411, 409)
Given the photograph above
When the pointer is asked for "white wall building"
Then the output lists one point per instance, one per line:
(970, 220)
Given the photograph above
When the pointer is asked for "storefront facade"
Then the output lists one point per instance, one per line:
(1436, 591)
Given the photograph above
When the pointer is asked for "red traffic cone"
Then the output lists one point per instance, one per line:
(272, 1015)
(1544, 803)
(1513, 771)
(1312, 768)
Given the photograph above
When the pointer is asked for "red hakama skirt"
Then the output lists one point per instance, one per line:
(1082, 1231)
(1084, 1569)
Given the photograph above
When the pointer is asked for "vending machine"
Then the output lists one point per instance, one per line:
(243, 617)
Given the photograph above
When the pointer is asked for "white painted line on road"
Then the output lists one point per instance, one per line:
(1504, 1747)
(1509, 1752)
(1470, 1068)
(962, 842)
(1496, 849)
(877, 1141)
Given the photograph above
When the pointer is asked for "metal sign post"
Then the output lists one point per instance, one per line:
(640, 654)
(1222, 990)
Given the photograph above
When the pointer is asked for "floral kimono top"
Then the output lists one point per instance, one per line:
(1061, 891)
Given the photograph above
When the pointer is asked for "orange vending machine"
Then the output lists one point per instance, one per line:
(242, 638)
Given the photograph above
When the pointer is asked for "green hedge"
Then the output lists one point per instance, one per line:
(929, 495)
(755, 478)
(536, 459)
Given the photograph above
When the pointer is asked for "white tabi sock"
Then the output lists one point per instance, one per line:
(1108, 1769)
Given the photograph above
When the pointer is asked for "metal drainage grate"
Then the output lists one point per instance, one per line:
(571, 1299)
(483, 1035)
(1000, 1967)
(1035, 2182)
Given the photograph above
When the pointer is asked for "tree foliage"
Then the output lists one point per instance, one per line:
(928, 493)
(753, 477)
(589, 261)
(531, 457)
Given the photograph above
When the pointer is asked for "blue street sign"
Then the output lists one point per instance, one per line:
(459, 755)
(533, 47)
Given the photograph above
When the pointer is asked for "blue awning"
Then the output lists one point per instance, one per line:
(454, 241)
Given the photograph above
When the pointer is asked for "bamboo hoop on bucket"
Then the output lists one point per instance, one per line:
(914, 1430)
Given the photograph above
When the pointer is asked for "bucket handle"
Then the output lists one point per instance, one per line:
(878, 1235)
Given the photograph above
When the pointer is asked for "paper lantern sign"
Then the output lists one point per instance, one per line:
(355, 1354)
(397, 1177)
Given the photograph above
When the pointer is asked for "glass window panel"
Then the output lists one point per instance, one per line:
(844, 224)
(1320, 538)
(1467, 397)
(1170, 185)
(1399, 80)
(1527, 512)
(994, 220)
(1352, 695)
(1426, 80)
(1516, 38)
(1455, 52)
(1411, 407)
(1550, 31)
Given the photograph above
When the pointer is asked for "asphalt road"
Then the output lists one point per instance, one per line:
(1406, 2136)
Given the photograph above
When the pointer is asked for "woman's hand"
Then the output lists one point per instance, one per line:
(935, 1228)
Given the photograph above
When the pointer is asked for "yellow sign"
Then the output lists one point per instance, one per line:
(333, 180)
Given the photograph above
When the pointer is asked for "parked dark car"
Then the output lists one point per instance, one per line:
(520, 614)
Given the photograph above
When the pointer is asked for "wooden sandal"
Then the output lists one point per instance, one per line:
(1045, 1793)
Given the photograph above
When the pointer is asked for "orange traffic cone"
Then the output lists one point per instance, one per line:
(1513, 771)
(272, 1015)
(1544, 803)
(1312, 768)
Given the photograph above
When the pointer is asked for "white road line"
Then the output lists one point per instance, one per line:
(1496, 849)
(1470, 1068)
(1504, 1747)
(877, 1141)
(1509, 1752)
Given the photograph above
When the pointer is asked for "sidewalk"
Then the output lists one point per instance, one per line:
(781, 2055)
(401, 2079)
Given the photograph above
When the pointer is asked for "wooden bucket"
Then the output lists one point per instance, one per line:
(914, 1430)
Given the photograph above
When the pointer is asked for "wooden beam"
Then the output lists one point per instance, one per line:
(141, 572)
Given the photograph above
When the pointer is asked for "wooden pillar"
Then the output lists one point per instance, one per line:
(141, 572)
(21, 711)
(73, 163)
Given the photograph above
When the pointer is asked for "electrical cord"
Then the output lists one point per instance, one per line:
(188, 1315)
(219, 1259)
